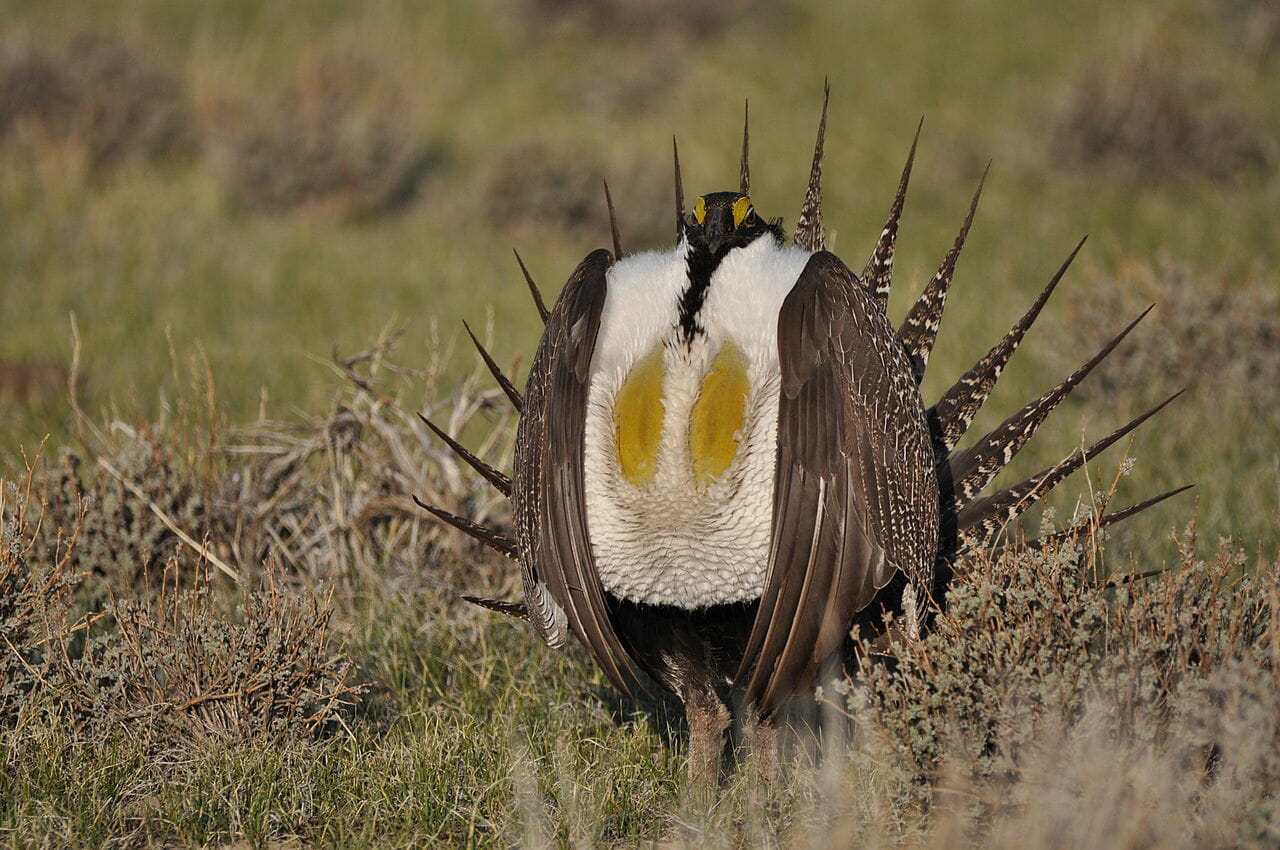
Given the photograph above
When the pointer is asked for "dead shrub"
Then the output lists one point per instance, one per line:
(1216, 332)
(331, 497)
(1157, 108)
(334, 496)
(181, 670)
(131, 503)
(175, 667)
(336, 139)
(105, 96)
(174, 657)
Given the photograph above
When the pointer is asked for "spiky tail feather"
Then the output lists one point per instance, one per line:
(500, 543)
(971, 470)
(919, 329)
(533, 289)
(494, 476)
(809, 233)
(513, 395)
(951, 415)
(877, 275)
(1090, 525)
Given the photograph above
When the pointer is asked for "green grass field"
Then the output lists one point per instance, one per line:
(223, 199)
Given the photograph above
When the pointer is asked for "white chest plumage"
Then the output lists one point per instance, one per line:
(682, 508)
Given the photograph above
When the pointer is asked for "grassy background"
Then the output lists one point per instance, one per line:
(503, 118)
(254, 186)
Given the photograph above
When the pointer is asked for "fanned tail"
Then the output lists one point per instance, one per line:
(969, 521)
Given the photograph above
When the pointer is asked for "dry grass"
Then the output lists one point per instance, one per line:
(1144, 689)
(331, 497)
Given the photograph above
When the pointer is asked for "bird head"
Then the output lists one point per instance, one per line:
(722, 221)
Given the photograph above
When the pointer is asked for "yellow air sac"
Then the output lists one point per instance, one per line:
(717, 415)
(637, 414)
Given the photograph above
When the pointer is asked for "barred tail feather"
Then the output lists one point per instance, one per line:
(809, 228)
(919, 329)
(1093, 523)
(972, 469)
(982, 518)
(514, 610)
(877, 276)
(951, 416)
(494, 369)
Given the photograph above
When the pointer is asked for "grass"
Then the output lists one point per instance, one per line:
(187, 708)
(208, 320)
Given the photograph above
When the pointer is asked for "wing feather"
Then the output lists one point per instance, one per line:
(855, 493)
(562, 587)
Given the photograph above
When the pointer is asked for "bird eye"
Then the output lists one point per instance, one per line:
(742, 208)
(700, 209)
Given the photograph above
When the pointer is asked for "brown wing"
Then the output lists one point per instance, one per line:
(855, 493)
(548, 497)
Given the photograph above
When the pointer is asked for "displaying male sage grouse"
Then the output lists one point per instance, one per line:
(723, 457)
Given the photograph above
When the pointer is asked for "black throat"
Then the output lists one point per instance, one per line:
(702, 263)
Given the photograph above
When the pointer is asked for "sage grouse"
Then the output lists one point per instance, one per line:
(723, 457)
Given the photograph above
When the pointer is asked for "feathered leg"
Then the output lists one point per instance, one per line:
(762, 735)
(709, 719)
